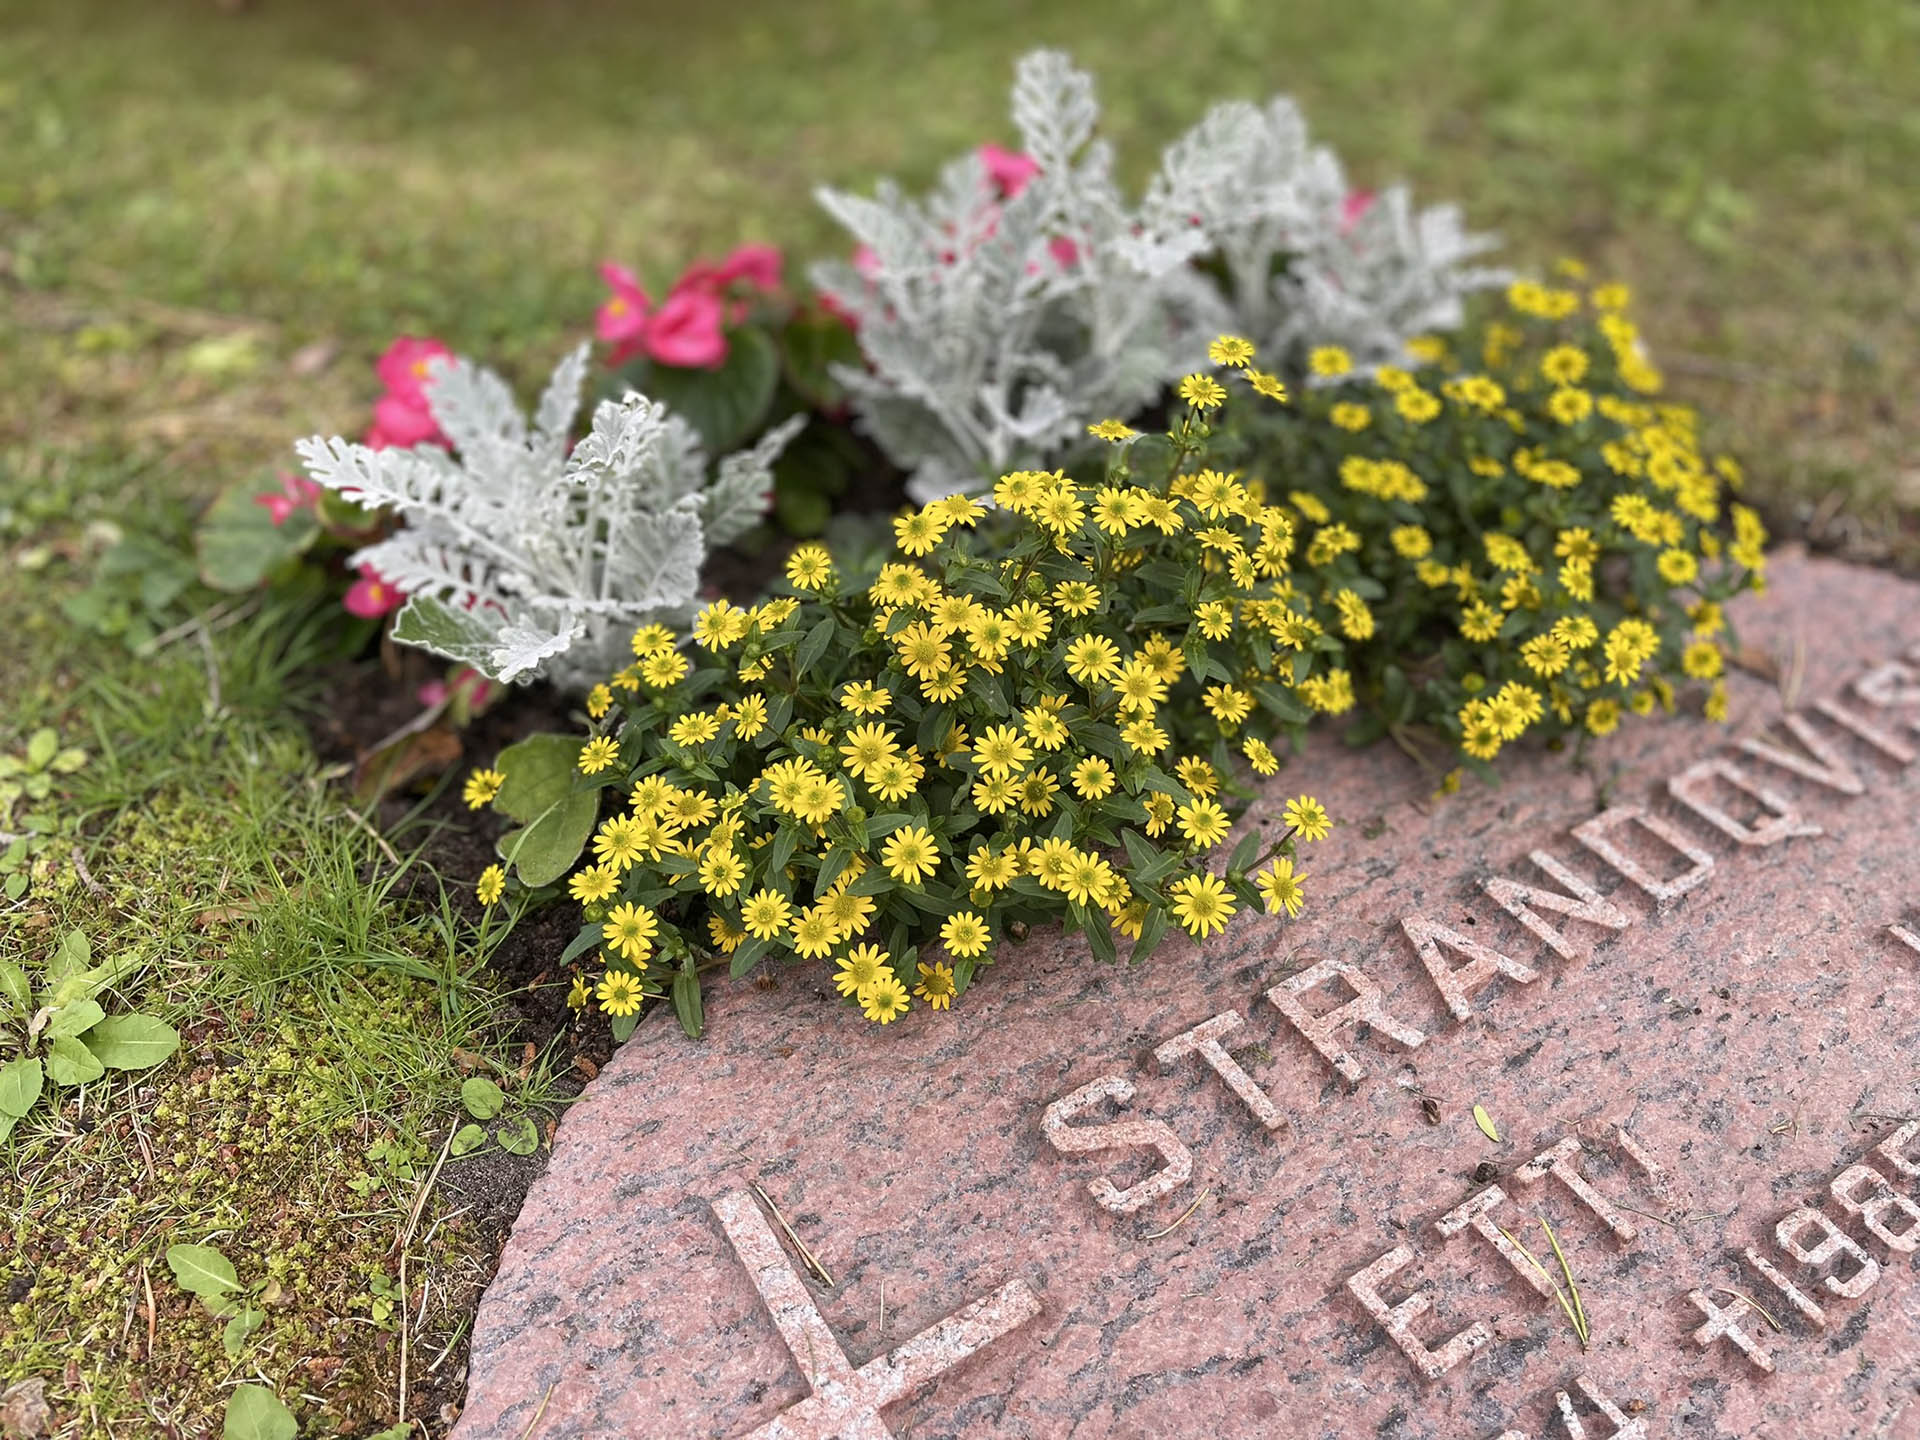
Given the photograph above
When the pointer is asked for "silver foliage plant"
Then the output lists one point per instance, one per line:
(525, 560)
(995, 330)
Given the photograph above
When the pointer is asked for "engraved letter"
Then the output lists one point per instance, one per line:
(1204, 1040)
(1891, 746)
(1623, 1428)
(1593, 834)
(1828, 766)
(1321, 1030)
(1586, 904)
(1119, 1135)
(1834, 1241)
(1692, 786)
(1893, 1149)
(1558, 1162)
(1398, 1319)
(1889, 684)
(1873, 1213)
(1457, 985)
(1472, 1213)
(1796, 1297)
(1906, 937)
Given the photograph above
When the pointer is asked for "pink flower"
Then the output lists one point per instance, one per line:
(1008, 170)
(686, 330)
(758, 265)
(370, 597)
(623, 318)
(403, 369)
(465, 680)
(1357, 203)
(401, 417)
(1066, 254)
(296, 493)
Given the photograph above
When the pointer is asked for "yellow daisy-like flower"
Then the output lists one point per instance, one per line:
(996, 794)
(1201, 904)
(1037, 790)
(694, 729)
(910, 854)
(1202, 392)
(1564, 365)
(1028, 623)
(1281, 888)
(619, 993)
(579, 993)
(965, 934)
(810, 568)
(726, 936)
(593, 883)
(1329, 361)
(630, 929)
(923, 650)
(1093, 660)
(866, 746)
(1603, 716)
(1261, 756)
(1093, 778)
(650, 639)
(1228, 703)
(1702, 660)
(1145, 736)
(1001, 751)
(1569, 406)
(1230, 350)
(885, 1001)
(1678, 567)
(1076, 597)
(865, 698)
(1267, 385)
(721, 872)
(663, 669)
(861, 968)
(481, 787)
(1417, 405)
(720, 625)
(1349, 416)
(599, 701)
(936, 985)
(919, 531)
(1308, 818)
(765, 914)
(1204, 823)
(990, 870)
(598, 753)
(814, 933)
(491, 885)
(1112, 430)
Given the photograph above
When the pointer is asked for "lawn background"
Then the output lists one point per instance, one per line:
(211, 221)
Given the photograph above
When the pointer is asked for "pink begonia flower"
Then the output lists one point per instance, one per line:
(1357, 203)
(622, 320)
(686, 330)
(401, 422)
(1065, 253)
(401, 417)
(370, 597)
(296, 493)
(1007, 169)
(478, 689)
(758, 265)
(403, 368)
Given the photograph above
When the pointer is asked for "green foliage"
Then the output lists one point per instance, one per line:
(136, 590)
(555, 805)
(237, 543)
(1521, 538)
(256, 1413)
(517, 1134)
(64, 1034)
(27, 780)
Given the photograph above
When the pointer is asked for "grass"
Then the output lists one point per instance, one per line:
(210, 222)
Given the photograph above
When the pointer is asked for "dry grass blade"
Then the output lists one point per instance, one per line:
(1576, 1316)
(800, 1245)
(1183, 1216)
(1579, 1310)
(1765, 1314)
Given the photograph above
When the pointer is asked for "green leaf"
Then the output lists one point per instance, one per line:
(15, 989)
(556, 811)
(727, 405)
(590, 935)
(1282, 705)
(686, 1003)
(237, 543)
(747, 956)
(20, 1081)
(1244, 852)
(131, 1042)
(41, 748)
(74, 955)
(467, 1139)
(202, 1270)
(623, 1026)
(811, 346)
(248, 1319)
(1099, 937)
(75, 1018)
(70, 1062)
(1150, 933)
(519, 1136)
(814, 646)
(255, 1413)
(445, 631)
(781, 851)
(482, 1097)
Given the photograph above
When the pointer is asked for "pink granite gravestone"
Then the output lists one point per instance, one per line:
(1240, 1191)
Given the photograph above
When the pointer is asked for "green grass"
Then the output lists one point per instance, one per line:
(210, 223)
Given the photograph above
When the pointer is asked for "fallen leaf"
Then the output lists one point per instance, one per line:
(414, 757)
(1485, 1122)
(23, 1411)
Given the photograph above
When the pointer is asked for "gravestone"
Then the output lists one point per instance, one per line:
(1241, 1190)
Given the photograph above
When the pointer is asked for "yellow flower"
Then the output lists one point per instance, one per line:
(965, 934)
(865, 698)
(1112, 430)
(1411, 542)
(1308, 818)
(1215, 619)
(481, 787)
(1417, 405)
(1076, 597)
(1001, 751)
(650, 639)
(721, 872)
(491, 885)
(936, 985)
(910, 854)
(1267, 385)
(1349, 416)
(1260, 756)
(630, 929)
(1202, 392)
(1281, 888)
(1028, 623)
(619, 993)
(694, 729)
(1204, 823)
(814, 933)
(810, 568)
(720, 625)
(765, 914)
(1093, 659)
(598, 753)
(579, 993)
(1229, 704)
(599, 701)
(1230, 350)
(991, 871)
(1145, 736)
(861, 969)
(1702, 660)
(1603, 716)
(1677, 567)
(1564, 365)
(1201, 904)
(919, 531)
(1093, 778)
(593, 883)
(1569, 406)
(726, 936)
(663, 669)
(1329, 361)
(886, 1001)
(867, 745)
(923, 651)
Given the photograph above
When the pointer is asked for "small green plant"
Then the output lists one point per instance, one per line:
(63, 1034)
(256, 1413)
(486, 1101)
(202, 1271)
(137, 590)
(26, 786)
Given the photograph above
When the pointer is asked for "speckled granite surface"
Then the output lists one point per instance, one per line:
(1754, 1037)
